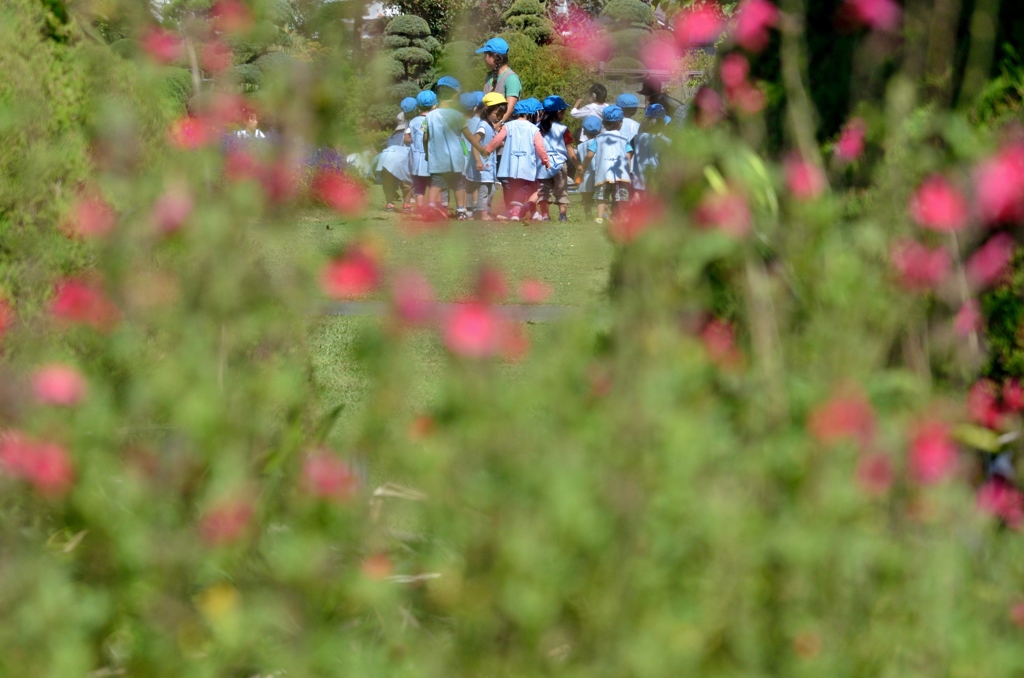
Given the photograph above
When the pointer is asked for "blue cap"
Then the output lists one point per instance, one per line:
(654, 111)
(554, 104)
(627, 100)
(521, 108)
(449, 81)
(467, 101)
(534, 105)
(612, 114)
(426, 99)
(592, 125)
(495, 45)
(408, 105)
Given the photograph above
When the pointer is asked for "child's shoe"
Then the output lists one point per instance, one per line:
(390, 207)
(563, 217)
(513, 214)
(462, 215)
(407, 208)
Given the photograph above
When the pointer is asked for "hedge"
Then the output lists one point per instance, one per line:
(408, 25)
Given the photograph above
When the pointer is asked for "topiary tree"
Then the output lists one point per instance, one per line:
(629, 24)
(529, 17)
(412, 50)
(459, 59)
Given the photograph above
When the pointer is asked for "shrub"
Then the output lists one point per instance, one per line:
(382, 116)
(406, 88)
(625, 62)
(529, 18)
(125, 48)
(627, 42)
(627, 13)
(429, 44)
(177, 84)
(414, 59)
(393, 69)
(247, 74)
(395, 41)
(409, 26)
(275, 61)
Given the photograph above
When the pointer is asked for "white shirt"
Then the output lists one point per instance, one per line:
(244, 134)
(592, 108)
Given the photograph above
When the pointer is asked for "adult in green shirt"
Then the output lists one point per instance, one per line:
(502, 79)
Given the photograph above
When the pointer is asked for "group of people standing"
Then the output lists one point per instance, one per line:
(465, 144)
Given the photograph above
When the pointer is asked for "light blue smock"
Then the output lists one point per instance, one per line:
(610, 161)
(519, 157)
(646, 157)
(445, 149)
(417, 156)
(485, 176)
(394, 159)
(554, 144)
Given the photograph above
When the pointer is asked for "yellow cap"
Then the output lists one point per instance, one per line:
(493, 99)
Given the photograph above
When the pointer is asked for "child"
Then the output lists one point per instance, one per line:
(610, 155)
(628, 103)
(471, 105)
(444, 129)
(480, 170)
(649, 143)
(393, 164)
(598, 95)
(523, 145)
(554, 182)
(418, 171)
(585, 177)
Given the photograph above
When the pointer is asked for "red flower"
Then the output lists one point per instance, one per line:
(919, 267)
(340, 191)
(878, 15)
(843, 417)
(163, 46)
(805, 180)
(15, 447)
(719, 340)
(190, 133)
(377, 567)
(280, 183)
(660, 54)
(710, 108)
(215, 56)
(328, 477)
(78, 301)
(413, 298)
(58, 384)
(999, 186)
(875, 474)
(968, 319)
(1013, 395)
(753, 19)
(473, 330)
(850, 145)
(91, 216)
(588, 43)
(45, 465)
(356, 274)
(228, 108)
(636, 218)
(734, 70)
(172, 208)
(534, 291)
(7, 317)
(226, 522)
(748, 98)
(939, 206)
(698, 26)
(240, 166)
(231, 16)
(991, 261)
(983, 404)
(999, 499)
(932, 453)
(728, 213)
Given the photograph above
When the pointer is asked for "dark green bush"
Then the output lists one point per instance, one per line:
(401, 90)
(429, 43)
(626, 13)
(1003, 310)
(414, 59)
(275, 61)
(624, 62)
(382, 116)
(248, 75)
(395, 41)
(125, 48)
(394, 70)
(178, 84)
(529, 17)
(409, 26)
(627, 42)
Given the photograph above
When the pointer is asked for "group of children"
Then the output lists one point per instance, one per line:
(454, 143)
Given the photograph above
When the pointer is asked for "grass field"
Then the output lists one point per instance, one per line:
(573, 258)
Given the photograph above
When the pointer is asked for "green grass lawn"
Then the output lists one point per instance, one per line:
(573, 258)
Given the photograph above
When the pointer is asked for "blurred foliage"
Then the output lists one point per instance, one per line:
(529, 17)
(622, 14)
(1003, 310)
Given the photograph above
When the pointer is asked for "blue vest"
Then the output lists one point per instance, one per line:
(394, 159)
(444, 147)
(417, 158)
(519, 157)
(610, 161)
(630, 128)
(554, 144)
(485, 176)
(646, 154)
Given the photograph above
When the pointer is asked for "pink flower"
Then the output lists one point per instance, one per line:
(231, 16)
(58, 384)
(968, 319)
(850, 145)
(719, 340)
(78, 301)
(46, 465)
(340, 191)
(589, 43)
(240, 166)
(875, 474)
(172, 208)
(983, 404)
(413, 298)
(91, 216)
(473, 330)
(636, 218)
(327, 476)
(280, 184)
(226, 521)
(491, 286)
(215, 56)
(878, 15)
(710, 108)
(7, 317)
(353, 275)
(515, 341)
(660, 55)
(919, 267)
(999, 499)
(1013, 395)
(734, 70)
(753, 19)
(748, 98)
(728, 213)
(163, 46)
(805, 180)
(189, 133)
(938, 206)
(697, 26)
(932, 453)
(843, 417)
(377, 567)
(999, 186)
(534, 291)
(991, 261)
